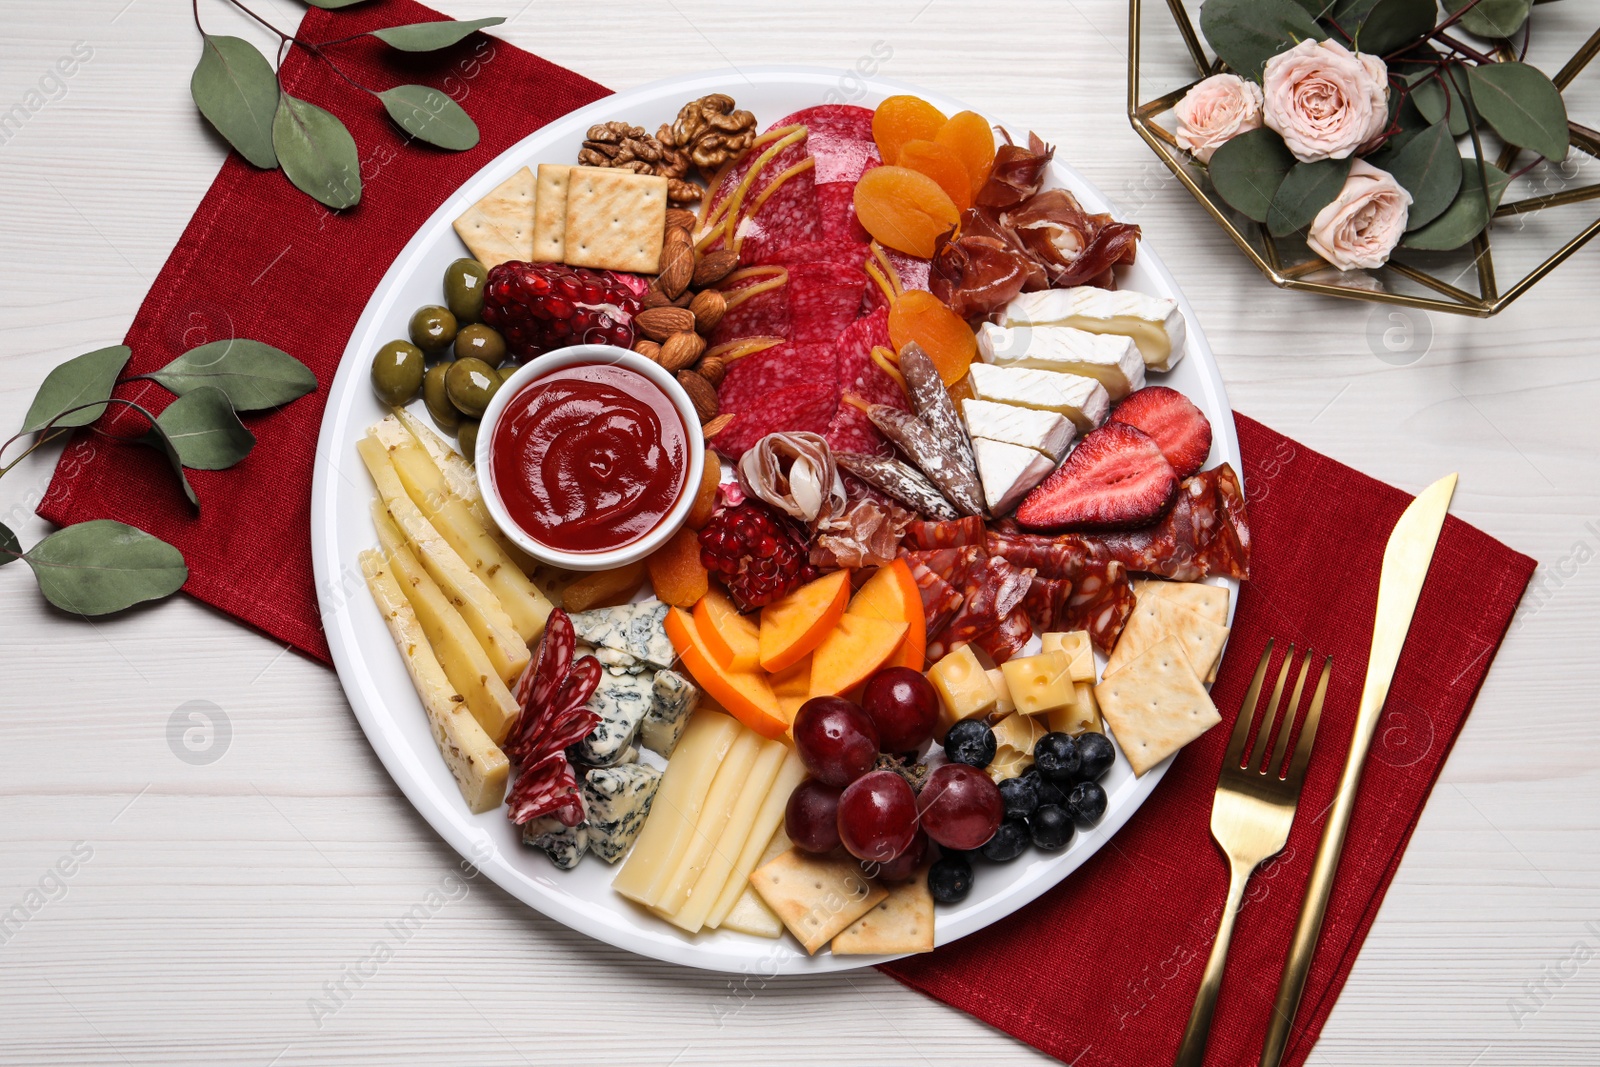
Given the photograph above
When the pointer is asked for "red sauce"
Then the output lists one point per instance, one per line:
(590, 458)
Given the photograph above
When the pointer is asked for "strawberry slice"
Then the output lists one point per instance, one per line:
(1180, 428)
(1116, 478)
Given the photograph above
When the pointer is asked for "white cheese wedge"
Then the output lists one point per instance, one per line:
(1083, 400)
(1155, 324)
(1008, 472)
(1110, 359)
(1043, 431)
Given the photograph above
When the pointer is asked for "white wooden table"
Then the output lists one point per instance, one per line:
(210, 904)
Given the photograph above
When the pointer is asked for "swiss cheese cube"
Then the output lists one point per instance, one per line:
(997, 678)
(965, 691)
(1018, 731)
(1080, 717)
(1075, 644)
(1040, 683)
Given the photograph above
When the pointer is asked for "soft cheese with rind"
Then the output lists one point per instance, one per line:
(1044, 431)
(1008, 472)
(1155, 323)
(1083, 400)
(1113, 360)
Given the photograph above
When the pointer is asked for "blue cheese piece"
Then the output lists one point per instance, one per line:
(647, 635)
(674, 697)
(618, 801)
(621, 701)
(604, 627)
(614, 661)
(627, 636)
(564, 844)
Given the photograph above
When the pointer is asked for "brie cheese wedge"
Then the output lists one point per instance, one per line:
(1043, 431)
(1008, 472)
(1110, 359)
(1083, 400)
(1155, 324)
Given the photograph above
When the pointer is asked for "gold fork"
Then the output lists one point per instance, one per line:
(1251, 815)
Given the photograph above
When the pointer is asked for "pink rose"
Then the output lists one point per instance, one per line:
(1325, 100)
(1364, 222)
(1215, 110)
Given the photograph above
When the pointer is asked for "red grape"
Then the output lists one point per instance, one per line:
(836, 740)
(904, 706)
(812, 817)
(961, 808)
(903, 866)
(877, 816)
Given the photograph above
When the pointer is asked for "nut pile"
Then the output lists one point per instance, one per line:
(623, 147)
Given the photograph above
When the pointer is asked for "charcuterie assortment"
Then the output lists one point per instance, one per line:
(850, 566)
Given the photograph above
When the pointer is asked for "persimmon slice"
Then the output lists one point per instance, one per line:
(903, 118)
(904, 210)
(949, 342)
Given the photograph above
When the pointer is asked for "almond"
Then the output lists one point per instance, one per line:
(654, 297)
(677, 235)
(677, 267)
(660, 323)
(708, 307)
(716, 426)
(714, 266)
(712, 369)
(680, 219)
(701, 393)
(649, 350)
(681, 350)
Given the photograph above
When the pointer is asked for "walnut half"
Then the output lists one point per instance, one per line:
(712, 131)
(625, 147)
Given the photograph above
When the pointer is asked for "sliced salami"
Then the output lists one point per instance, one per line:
(764, 314)
(836, 210)
(851, 431)
(751, 379)
(940, 599)
(1205, 532)
(1007, 639)
(799, 407)
(824, 299)
(840, 137)
(956, 533)
(776, 209)
(828, 250)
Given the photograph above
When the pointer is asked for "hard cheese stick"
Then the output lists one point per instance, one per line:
(900, 481)
(942, 465)
(715, 816)
(767, 823)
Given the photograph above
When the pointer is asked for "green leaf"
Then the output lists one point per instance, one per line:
(333, 5)
(317, 153)
(252, 375)
(428, 36)
(1523, 105)
(1491, 18)
(97, 567)
(1392, 23)
(431, 116)
(1316, 8)
(1467, 215)
(1430, 169)
(10, 547)
(156, 438)
(1248, 169)
(1308, 189)
(85, 379)
(1350, 13)
(1247, 33)
(203, 428)
(1430, 98)
(236, 89)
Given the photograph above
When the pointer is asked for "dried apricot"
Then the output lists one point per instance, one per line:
(941, 333)
(598, 589)
(903, 118)
(904, 210)
(676, 573)
(969, 136)
(940, 163)
(705, 501)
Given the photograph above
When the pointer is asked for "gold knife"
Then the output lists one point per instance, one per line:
(1405, 567)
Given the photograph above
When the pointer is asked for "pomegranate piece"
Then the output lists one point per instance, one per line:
(539, 307)
(758, 555)
(1115, 479)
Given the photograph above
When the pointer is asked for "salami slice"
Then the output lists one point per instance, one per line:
(940, 599)
(851, 431)
(836, 211)
(1206, 531)
(777, 208)
(799, 407)
(549, 787)
(992, 589)
(1046, 603)
(1102, 599)
(954, 565)
(899, 480)
(955, 533)
(753, 378)
(840, 137)
(1007, 639)
(761, 314)
(934, 456)
(845, 252)
(932, 401)
(824, 299)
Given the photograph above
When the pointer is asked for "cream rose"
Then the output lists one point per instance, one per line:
(1214, 111)
(1364, 222)
(1325, 100)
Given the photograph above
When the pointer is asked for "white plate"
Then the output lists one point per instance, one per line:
(370, 668)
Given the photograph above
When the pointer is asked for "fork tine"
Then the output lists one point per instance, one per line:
(1308, 732)
(1247, 712)
(1282, 744)
(1264, 736)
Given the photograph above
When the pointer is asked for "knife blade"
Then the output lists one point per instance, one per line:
(1405, 567)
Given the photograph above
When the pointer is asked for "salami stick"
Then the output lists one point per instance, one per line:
(900, 481)
(933, 403)
(938, 461)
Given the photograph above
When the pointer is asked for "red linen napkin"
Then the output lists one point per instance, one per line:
(1104, 969)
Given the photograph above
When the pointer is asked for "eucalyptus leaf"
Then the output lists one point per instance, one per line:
(1393, 23)
(252, 375)
(10, 547)
(203, 428)
(156, 438)
(428, 36)
(1307, 189)
(1435, 97)
(101, 566)
(431, 116)
(1467, 215)
(1491, 18)
(85, 379)
(236, 89)
(1247, 33)
(1349, 13)
(334, 5)
(1316, 8)
(317, 153)
(1430, 169)
(1248, 169)
(1523, 105)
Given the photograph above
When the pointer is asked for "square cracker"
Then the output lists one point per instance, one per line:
(615, 220)
(550, 213)
(901, 922)
(1156, 705)
(816, 897)
(499, 228)
(1156, 617)
(1206, 601)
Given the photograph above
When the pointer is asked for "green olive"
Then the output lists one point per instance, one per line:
(507, 370)
(433, 328)
(482, 341)
(467, 438)
(434, 394)
(463, 289)
(397, 372)
(470, 383)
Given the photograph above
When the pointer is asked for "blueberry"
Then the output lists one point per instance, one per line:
(1095, 756)
(1051, 828)
(1049, 794)
(1020, 796)
(1087, 802)
(1056, 756)
(1008, 841)
(970, 741)
(950, 879)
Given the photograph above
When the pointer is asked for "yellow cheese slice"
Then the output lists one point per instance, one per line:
(768, 827)
(671, 893)
(750, 914)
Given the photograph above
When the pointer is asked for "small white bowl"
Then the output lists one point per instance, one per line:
(538, 368)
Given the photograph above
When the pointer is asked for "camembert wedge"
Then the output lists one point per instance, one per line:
(1043, 431)
(1083, 400)
(1113, 360)
(1008, 472)
(1155, 323)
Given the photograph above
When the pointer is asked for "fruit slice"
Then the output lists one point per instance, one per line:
(743, 694)
(904, 210)
(854, 649)
(946, 338)
(792, 687)
(940, 163)
(676, 573)
(1180, 429)
(795, 624)
(1115, 479)
(901, 119)
(891, 595)
(732, 638)
(969, 136)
